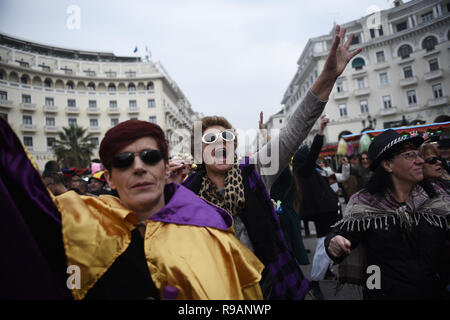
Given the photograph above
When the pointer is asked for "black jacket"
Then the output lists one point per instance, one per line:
(319, 202)
(409, 261)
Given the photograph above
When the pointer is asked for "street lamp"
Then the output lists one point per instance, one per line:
(371, 121)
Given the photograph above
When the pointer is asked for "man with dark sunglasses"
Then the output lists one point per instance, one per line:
(156, 239)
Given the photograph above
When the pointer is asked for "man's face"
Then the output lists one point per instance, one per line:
(140, 186)
(74, 183)
(445, 152)
(95, 185)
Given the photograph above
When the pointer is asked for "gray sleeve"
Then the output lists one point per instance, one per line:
(283, 145)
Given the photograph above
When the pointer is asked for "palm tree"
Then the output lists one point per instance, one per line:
(73, 148)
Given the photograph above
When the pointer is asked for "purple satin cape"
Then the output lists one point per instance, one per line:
(33, 262)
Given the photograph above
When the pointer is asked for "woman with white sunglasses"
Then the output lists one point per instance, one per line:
(242, 189)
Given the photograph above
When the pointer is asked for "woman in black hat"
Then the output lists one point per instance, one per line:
(399, 224)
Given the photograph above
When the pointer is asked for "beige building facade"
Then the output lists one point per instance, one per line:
(402, 76)
(44, 88)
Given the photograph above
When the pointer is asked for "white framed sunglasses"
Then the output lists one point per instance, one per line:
(212, 137)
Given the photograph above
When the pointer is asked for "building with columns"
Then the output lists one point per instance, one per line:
(402, 76)
(44, 88)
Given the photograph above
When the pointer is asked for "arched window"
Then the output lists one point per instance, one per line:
(111, 87)
(358, 63)
(69, 85)
(36, 81)
(131, 87)
(91, 86)
(14, 77)
(404, 51)
(429, 43)
(25, 79)
(150, 86)
(47, 83)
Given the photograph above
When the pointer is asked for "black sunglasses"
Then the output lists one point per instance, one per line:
(433, 160)
(126, 159)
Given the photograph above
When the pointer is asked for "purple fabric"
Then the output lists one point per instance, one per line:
(289, 281)
(33, 264)
(186, 208)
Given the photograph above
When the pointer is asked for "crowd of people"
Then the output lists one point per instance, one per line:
(146, 226)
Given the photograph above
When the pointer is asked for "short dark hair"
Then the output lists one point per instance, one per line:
(127, 132)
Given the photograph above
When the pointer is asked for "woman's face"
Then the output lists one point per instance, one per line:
(219, 155)
(365, 161)
(406, 168)
(432, 168)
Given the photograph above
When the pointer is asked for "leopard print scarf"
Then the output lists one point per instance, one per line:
(233, 199)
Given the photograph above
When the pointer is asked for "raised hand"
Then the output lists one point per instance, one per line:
(337, 60)
(339, 55)
(261, 122)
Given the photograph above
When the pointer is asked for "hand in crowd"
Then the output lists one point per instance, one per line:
(176, 170)
(339, 246)
(323, 123)
(344, 160)
(261, 121)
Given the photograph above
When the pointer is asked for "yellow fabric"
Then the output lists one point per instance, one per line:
(94, 234)
(202, 262)
(185, 257)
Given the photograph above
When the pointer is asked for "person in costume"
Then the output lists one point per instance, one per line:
(243, 189)
(393, 233)
(156, 237)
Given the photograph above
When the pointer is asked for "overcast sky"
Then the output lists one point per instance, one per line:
(233, 58)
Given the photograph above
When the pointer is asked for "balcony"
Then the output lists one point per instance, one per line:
(388, 111)
(50, 109)
(51, 129)
(28, 106)
(6, 103)
(28, 128)
(359, 73)
(93, 110)
(94, 129)
(362, 92)
(408, 82)
(340, 95)
(405, 61)
(113, 111)
(429, 76)
(134, 110)
(72, 110)
(438, 102)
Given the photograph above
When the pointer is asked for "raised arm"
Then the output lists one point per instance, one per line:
(306, 114)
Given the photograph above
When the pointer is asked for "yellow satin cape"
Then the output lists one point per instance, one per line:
(202, 262)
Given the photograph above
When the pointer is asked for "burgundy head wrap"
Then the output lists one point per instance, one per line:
(125, 133)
